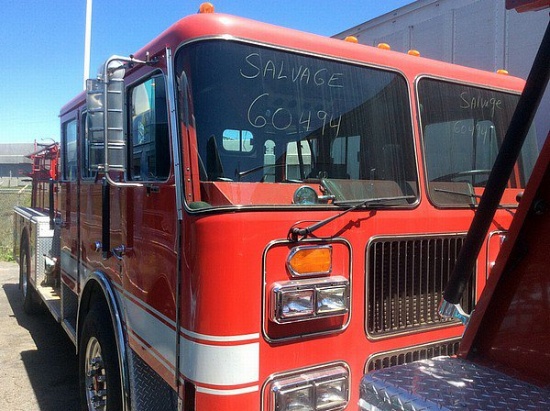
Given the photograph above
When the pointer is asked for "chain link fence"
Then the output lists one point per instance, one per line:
(9, 198)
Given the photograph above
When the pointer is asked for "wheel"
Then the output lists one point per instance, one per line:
(100, 388)
(31, 301)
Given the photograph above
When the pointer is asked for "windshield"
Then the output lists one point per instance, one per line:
(463, 128)
(263, 123)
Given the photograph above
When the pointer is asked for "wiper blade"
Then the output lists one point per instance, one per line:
(294, 233)
(458, 193)
(364, 202)
(470, 195)
(254, 169)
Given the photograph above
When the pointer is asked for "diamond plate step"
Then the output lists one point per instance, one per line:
(445, 383)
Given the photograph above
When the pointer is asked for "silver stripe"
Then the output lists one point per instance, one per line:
(245, 390)
(154, 332)
(220, 338)
(202, 363)
(220, 365)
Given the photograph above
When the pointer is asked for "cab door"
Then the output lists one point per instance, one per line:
(148, 221)
(69, 204)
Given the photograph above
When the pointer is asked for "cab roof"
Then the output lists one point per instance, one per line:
(227, 27)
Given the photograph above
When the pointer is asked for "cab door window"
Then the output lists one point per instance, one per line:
(69, 137)
(150, 155)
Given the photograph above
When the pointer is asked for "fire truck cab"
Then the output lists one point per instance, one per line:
(503, 361)
(247, 217)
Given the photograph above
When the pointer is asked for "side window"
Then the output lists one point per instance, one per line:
(92, 153)
(298, 160)
(69, 150)
(344, 155)
(148, 128)
(237, 140)
(456, 146)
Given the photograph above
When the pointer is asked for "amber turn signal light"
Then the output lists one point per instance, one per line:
(310, 260)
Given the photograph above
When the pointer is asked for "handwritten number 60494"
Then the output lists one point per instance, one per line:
(261, 115)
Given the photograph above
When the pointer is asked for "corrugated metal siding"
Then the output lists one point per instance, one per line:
(474, 33)
(16, 153)
(436, 47)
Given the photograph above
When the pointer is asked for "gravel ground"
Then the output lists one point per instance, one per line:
(39, 370)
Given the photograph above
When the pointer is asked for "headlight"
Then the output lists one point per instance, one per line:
(332, 394)
(300, 300)
(324, 388)
(332, 300)
(294, 398)
(295, 304)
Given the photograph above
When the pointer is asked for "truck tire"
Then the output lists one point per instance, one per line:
(100, 388)
(31, 302)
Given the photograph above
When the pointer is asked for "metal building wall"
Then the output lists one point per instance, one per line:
(474, 33)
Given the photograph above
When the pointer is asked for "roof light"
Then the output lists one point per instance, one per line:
(384, 46)
(310, 260)
(413, 52)
(305, 195)
(502, 71)
(351, 39)
(206, 8)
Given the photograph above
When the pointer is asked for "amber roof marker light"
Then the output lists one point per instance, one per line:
(206, 8)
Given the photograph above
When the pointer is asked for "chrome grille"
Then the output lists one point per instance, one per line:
(406, 279)
(410, 354)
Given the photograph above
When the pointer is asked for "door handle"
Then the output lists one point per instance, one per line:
(119, 251)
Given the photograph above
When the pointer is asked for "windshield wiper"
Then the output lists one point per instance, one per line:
(294, 233)
(460, 193)
(363, 202)
(471, 195)
(254, 169)
(243, 173)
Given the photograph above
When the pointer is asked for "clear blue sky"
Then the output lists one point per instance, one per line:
(42, 44)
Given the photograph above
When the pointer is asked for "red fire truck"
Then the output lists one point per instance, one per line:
(503, 361)
(249, 217)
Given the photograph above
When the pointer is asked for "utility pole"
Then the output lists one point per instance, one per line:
(87, 41)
